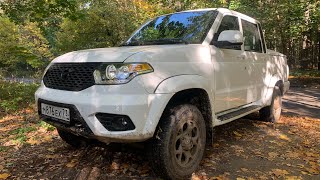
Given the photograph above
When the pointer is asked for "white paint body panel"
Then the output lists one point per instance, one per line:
(231, 79)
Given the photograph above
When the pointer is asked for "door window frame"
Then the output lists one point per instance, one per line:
(262, 42)
(218, 27)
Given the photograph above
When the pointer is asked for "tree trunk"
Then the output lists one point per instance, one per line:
(319, 50)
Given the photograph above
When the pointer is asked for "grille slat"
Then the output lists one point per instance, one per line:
(70, 76)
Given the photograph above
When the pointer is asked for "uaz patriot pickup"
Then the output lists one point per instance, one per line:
(178, 76)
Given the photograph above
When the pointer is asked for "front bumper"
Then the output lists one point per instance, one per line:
(130, 99)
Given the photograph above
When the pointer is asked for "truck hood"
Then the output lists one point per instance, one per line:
(117, 54)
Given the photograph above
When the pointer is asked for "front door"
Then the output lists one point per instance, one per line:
(230, 70)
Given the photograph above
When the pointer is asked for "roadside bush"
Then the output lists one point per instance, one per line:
(15, 96)
(304, 73)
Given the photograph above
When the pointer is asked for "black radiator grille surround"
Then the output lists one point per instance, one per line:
(70, 76)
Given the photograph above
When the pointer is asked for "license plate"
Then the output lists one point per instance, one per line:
(55, 112)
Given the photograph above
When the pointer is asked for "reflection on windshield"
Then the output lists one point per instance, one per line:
(185, 27)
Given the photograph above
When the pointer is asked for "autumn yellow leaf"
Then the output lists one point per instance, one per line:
(273, 155)
(50, 156)
(279, 172)
(284, 137)
(72, 163)
(292, 178)
(47, 138)
(33, 141)
(244, 169)
(4, 176)
(237, 134)
(238, 178)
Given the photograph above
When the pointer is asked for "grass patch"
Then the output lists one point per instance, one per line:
(23, 130)
(297, 73)
(16, 96)
(20, 139)
(46, 126)
(20, 136)
(3, 148)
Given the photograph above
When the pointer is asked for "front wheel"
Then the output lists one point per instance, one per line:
(179, 143)
(272, 113)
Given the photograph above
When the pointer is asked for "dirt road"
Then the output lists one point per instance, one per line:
(303, 102)
(244, 149)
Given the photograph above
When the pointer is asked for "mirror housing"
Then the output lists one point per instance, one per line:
(229, 38)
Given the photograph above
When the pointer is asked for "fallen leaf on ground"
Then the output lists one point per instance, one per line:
(244, 169)
(4, 176)
(115, 166)
(279, 172)
(284, 137)
(237, 134)
(292, 178)
(72, 163)
(240, 178)
(273, 155)
(33, 141)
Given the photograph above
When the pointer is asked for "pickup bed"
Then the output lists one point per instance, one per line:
(177, 77)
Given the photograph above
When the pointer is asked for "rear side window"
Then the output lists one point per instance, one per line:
(252, 39)
(228, 23)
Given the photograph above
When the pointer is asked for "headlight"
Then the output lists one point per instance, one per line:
(120, 73)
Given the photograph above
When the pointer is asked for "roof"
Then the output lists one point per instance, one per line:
(223, 11)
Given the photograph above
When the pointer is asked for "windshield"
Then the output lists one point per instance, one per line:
(185, 27)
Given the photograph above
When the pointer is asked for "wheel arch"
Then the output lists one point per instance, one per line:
(194, 96)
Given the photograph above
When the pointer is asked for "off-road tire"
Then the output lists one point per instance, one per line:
(181, 134)
(71, 139)
(272, 113)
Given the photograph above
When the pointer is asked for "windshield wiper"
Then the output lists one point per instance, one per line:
(170, 40)
(156, 41)
(132, 43)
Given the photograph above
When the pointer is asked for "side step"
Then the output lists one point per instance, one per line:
(239, 113)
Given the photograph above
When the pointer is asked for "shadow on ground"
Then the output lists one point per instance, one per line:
(302, 102)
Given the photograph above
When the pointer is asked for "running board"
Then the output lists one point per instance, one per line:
(237, 114)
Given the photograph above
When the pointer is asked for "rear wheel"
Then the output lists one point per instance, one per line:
(178, 146)
(71, 139)
(272, 113)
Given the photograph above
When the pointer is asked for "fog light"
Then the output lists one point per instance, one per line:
(115, 122)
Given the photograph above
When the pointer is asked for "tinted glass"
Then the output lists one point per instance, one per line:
(228, 23)
(252, 40)
(186, 27)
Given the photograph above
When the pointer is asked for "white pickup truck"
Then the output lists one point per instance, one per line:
(178, 76)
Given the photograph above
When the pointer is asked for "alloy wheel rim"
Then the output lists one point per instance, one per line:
(187, 143)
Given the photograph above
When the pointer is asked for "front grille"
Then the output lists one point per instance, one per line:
(70, 76)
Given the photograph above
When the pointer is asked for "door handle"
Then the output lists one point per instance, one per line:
(241, 57)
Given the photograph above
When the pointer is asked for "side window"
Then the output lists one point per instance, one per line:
(252, 39)
(228, 23)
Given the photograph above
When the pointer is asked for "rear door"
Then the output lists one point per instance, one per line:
(231, 77)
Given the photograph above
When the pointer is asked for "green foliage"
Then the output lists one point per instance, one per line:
(48, 15)
(305, 73)
(15, 96)
(105, 24)
(22, 48)
(33, 32)
(20, 134)
(46, 126)
(22, 131)
(3, 148)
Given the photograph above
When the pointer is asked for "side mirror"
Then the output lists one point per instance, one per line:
(229, 38)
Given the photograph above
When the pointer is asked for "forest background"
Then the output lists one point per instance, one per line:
(33, 32)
